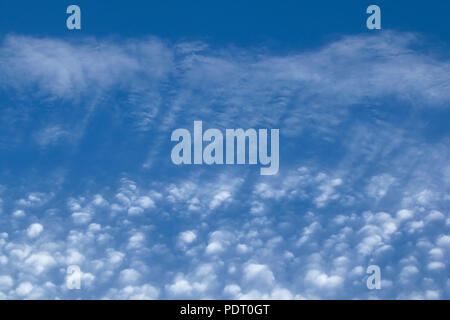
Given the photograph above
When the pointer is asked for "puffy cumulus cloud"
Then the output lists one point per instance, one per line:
(299, 184)
(315, 252)
(321, 280)
(143, 292)
(195, 196)
(180, 286)
(219, 241)
(214, 248)
(18, 214)
(146, 202)
(132, 200)
(135, 211)
(74, 257)
(275, 294)
(443, 241)
(99, 201)
(40, 262)
(405, 214)
(408, 271)
(129, 276)
(136, 241)
(24, 289)
(234, 291)
(231, 290)
(327, 189)
(34, 199)
(114, 258)
(219, 198)
(259, 273)
(435, 215)
(34, 230)
(81, 217)
(436, 265)
(187, 237)
(201, 281)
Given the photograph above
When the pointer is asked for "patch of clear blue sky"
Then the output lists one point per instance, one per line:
(280, 25)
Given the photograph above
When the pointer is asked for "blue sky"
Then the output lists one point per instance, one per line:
(86, 177)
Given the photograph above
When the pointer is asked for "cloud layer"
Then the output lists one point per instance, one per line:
(364, 176)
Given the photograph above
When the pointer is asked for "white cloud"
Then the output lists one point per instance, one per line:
(143, 292)
(214, 248)
(405, 214)
(74, 257)
(34, 199)
(34, 230)
(66, 69)
(259, 273)
(188, 236)
(436, 265)
(146, 202)
(129, 276)
(134, 211)
(409, 271)
(6, 282)
(321, 280)
(18, 214)
(40, 262)
(50, 136)
(24, 289)
(180, 286)
(327, 189)
(81, 217)
(99, 201)
(443, 241)
(434, 215)
(219, 199)
(380, 185)
(334, 211)
(232, 290)
(136, 241)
